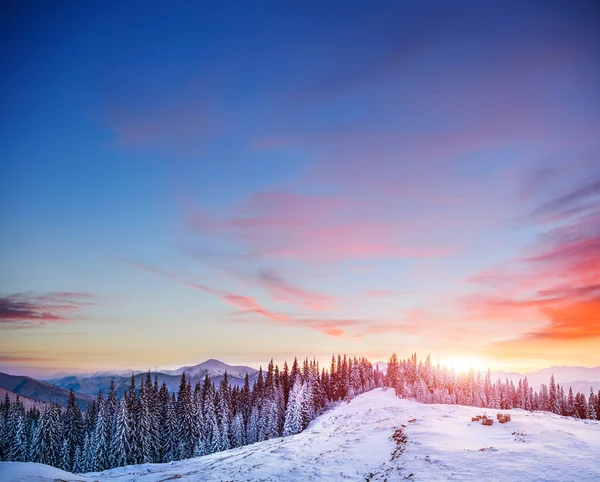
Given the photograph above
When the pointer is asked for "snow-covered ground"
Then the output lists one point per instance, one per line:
(353, 442)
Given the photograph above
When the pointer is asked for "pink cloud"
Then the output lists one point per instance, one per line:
(243, 303)
(282, 289)
(382, 293)
(316, 228)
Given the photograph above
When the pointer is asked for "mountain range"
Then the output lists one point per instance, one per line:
(215, 369)
(41, 391)
(86, 386)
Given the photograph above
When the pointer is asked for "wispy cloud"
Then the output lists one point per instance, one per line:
(244, 304)
(30, 309)
(282, 289)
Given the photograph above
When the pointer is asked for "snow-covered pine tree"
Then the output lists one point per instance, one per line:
(224, 412)
(87, 455)
(73, 428)
(120, 447)
(147, 423)
(19, 446)
(170, 442)
(78, 461)
(307, 405)
(238, 437)
(47, 443)
(65, 458)
(581, 406)
(591, 412)
(99, 442)
(570, 403)
(293, 414)
(553, 399)
(252, 428)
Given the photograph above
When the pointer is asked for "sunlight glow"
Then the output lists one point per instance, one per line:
(464, 364)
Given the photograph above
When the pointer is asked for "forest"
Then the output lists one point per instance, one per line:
(150, 425)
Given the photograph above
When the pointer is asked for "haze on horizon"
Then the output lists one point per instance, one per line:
(252, 181)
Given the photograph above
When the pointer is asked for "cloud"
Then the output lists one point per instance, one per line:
(243, 303)
(334, 327)
(30, 309)
(382, 293)
(18, 359)
(282, 289)
(309, 227)
(555, 283)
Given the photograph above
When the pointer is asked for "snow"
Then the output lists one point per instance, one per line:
(30, 471)
(353, 442)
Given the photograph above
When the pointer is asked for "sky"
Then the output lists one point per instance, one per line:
(256, 180)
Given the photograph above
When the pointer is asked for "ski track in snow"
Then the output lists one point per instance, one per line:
(353, 443)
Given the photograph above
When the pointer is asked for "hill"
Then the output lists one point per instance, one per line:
(354, 442)
(41, 391)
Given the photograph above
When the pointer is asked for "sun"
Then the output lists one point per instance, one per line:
(464, 364)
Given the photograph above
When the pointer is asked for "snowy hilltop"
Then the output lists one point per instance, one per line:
(378, 436)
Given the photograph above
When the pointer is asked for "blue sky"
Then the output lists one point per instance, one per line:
(243, 181)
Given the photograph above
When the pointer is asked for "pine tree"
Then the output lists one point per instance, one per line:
(99, 442)
(73, 428)
(19, 445)
(252, 427)
(87, 455)
(47, 443)
(553, 399)
(238, 437)
(78, 461)
(293, 414)
(65, 457)
(224, 411)
(120, 447)
(169, 446)
(592, 404)
(570, 403)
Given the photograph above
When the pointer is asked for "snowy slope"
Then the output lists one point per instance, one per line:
(353, 442)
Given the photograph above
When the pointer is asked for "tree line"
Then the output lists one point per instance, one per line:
(150, 425)
(413, 378)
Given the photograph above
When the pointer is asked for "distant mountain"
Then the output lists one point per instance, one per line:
(381, 365)
(578, 378)
(28, 403)
(215, 369)
(41, 391)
